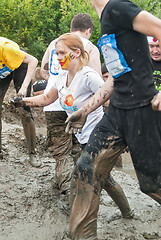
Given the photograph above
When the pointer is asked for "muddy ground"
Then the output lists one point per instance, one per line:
(31, 207)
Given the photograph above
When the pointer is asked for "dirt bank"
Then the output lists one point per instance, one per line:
(32, 209)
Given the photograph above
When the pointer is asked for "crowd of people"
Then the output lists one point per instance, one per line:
(73, 88)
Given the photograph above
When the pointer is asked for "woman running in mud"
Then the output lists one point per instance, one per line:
(74, 88)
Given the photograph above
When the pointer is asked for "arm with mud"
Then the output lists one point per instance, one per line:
(37, 101)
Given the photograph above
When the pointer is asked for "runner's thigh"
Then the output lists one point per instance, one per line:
(105, 144)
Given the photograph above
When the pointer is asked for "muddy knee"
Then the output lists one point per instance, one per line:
(84, 168)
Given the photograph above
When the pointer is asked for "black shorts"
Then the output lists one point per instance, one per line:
(140, 130)
(18, 76)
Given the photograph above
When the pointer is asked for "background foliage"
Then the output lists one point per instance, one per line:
(33, 24)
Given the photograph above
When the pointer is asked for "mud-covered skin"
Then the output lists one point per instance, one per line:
(17, 102)
(117, 194)
(107, 141)
(29, 130)
(75, 122)
(90, 178)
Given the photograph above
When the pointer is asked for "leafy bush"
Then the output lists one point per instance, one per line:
(69, 8)
(152, 6)
(33, 24)
(30, 23)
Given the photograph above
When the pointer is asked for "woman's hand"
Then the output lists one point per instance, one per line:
(75, 122)
(17, 102)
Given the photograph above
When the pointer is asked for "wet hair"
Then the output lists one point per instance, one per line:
(74, 42)
(81, 22)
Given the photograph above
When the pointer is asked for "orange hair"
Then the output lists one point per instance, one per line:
(74, 42)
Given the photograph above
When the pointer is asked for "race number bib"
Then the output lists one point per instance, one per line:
(4, 71)
(113, 57)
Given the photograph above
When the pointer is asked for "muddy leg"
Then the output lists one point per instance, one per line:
(89, 175)
(117, 194)
(26, 116)
(83, 219)
(1, 154)
(29, 130)
(4, 84)
(30, 134)
(119, 162)
(92, 168)
(60, 145)
(83, 224)
(63, 173)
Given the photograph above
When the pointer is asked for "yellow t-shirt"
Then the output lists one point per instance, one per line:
(11, 56)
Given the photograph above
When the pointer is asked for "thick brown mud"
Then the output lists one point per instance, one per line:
(31, 207)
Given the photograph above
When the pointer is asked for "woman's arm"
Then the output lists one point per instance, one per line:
(37, 101)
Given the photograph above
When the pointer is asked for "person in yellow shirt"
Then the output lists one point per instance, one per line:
(19, 66)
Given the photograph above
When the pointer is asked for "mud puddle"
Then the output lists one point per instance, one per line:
(32, 209)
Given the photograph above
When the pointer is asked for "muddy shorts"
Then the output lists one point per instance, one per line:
(18, 77)
(140, 130)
